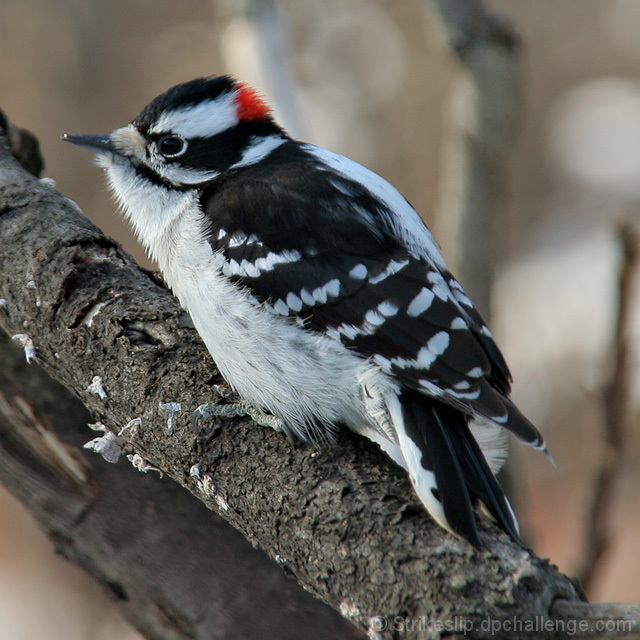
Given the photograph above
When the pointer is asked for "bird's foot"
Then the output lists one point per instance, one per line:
(236, 407)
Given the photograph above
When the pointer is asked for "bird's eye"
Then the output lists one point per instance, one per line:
(171, 146)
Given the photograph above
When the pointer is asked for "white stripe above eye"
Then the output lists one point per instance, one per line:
(201, 120)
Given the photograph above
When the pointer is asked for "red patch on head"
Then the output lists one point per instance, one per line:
(250, 104)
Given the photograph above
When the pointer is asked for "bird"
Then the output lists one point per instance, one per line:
(321, 295)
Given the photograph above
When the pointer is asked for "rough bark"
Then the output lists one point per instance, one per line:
(343, 521)
(176, 569)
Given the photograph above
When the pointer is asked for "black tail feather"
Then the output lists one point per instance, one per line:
(461, 472)
(481, 481)
(424, 425)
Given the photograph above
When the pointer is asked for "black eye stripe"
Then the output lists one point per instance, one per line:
(149, 174)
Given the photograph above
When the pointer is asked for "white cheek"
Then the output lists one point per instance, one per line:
(150, 208)
(178, 175)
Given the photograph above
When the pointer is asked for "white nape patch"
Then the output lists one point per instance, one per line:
(201, 120)
(421, 302)
(393, 267)
(258, 149)
(493, 441)
(404, 219)
(359, 272)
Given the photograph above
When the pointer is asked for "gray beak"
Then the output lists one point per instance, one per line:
(97, 144)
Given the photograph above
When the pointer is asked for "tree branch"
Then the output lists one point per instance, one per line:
(482, 124)
(618, 403)
(343, 521)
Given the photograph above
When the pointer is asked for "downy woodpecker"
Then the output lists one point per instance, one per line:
(318, 290)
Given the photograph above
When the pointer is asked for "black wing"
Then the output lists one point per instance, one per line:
(288, 233)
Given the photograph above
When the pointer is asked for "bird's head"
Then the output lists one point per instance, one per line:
(189, 135)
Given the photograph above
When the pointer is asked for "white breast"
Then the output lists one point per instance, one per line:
(301, 377)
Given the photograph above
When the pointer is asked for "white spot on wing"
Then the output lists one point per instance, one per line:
(331, 288)
(393, 267)
(307, 298)
(464, 395)
(439, 286)
(387, 308)
(421, 302)
(293, 302)
(237, 239)
(424, 359)
(266, 263)
(359, 272)
(373, 317)
(462, 299)
(281, 307)
(434, 348)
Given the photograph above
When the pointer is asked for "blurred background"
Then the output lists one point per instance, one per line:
(376, 80)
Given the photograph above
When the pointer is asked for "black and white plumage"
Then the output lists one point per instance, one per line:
(321, 295)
